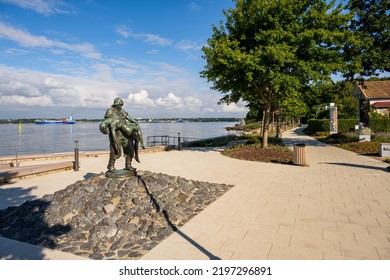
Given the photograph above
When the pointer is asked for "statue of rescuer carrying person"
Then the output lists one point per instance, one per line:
(124, 133)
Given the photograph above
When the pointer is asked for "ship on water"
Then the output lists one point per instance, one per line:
(69, 120)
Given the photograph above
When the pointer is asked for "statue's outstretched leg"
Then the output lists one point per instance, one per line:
(136, 145)
(111, 161)
(128, 163)
(141, 139)
(129, 154)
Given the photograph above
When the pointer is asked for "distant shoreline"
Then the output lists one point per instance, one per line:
(141, 120)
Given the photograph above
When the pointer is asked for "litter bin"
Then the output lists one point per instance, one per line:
(299, 155)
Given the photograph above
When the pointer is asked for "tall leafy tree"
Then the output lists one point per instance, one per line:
(270, 50)
(367, 52)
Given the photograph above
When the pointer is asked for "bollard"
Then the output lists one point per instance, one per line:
(76, 156)
(178, 144)
(299, 155)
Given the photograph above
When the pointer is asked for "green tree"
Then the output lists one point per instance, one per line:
(367, 52)
(339, 93)
(271, 50)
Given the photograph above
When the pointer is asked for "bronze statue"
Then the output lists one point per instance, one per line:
(124, 133)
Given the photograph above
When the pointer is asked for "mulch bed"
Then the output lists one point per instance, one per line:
(275, 154)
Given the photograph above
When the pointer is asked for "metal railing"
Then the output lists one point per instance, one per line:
(169, 141)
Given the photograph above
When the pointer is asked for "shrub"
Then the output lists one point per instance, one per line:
(212, 142)
(344, 125)
(381, 137)
(366, 148)
(380, 125)
(340, 138)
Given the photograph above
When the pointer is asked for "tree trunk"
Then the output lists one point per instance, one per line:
(267, 110)
(262, 125)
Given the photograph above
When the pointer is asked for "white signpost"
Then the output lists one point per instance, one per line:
(333, 119)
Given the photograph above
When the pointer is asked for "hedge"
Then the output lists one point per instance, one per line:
(347, 125)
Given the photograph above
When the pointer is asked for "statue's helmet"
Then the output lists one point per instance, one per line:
(117, 101)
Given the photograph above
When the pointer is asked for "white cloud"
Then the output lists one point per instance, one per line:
(44, 7)
(24, 38)
(13, 51)
(186, 45)
(171, 101)
(193, 103)
(146, 96)
(193, 6)
(234, 108)
(51, 82)
(140, 99)
(153, 39)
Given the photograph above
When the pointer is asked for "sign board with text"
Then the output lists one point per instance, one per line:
(333, 119)
(385, 150)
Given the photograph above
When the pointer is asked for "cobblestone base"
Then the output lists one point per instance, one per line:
(110, 218)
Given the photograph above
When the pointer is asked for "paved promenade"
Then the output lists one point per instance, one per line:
(336, 208)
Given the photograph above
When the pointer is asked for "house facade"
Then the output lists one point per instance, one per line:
(372, 95)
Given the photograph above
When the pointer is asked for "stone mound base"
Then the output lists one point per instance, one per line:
(108, 218)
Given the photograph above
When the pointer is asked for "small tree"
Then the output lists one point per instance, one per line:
(270, 50)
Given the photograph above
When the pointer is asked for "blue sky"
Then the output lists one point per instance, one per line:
(59, 57)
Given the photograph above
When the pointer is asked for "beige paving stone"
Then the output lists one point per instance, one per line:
(382, 220)
(384, 252)
(293, 253)
(368, 221)
(359, 252)
(341, 236)
(335, 218)
(316, 223)
(315, 244)
(256, 224)
(268, 237)
(250, 248)
(377, 230)
(183, 251)
(218, 254)
(304, 231)
(231, 232)
(211, 241)
(355, 228)
(372, 240)
(228, 220)
(205, 227)
(328, 256)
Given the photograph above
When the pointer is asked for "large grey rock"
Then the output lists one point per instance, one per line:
(110, 218)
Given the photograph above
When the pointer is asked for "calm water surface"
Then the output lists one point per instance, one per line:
(57, 138)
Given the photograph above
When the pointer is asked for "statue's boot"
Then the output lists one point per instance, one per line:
(128, 164)
(111, 162)
(111, 167)
(136, 151)
(141, 139)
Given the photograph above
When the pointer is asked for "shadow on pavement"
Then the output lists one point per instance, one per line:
(359, 166)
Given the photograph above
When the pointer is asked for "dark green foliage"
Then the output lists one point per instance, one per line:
(341, 138)
(380, 125)
(212, 142)
(382, 137)
(366, 148)
(369, 51)
(344, 125)
(268, 52)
